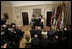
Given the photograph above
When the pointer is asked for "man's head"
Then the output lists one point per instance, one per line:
(38, 28)
(27, 37)
(65, 29)
(13, 25)
(4, 26)
(36, 36)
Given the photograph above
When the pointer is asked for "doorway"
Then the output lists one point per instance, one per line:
(48, 20)
(25, 18)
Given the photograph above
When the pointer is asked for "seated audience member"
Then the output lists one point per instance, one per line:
(65, 32)
(55, 37)
(35, 43)
(59, 33)
(38, 32)
(28, 41)
(32, 33)
(44, 42)
(50, 33)
(44, 32)
(55, 41)
(5, 45)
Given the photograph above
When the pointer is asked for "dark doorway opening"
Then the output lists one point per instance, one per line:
(48, 20)
(25, 18)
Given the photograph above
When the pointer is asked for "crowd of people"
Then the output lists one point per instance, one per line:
(40, 38)
(10, 35)
(49, 39)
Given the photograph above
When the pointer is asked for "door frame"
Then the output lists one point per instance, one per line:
(21, 16)
(46, 15)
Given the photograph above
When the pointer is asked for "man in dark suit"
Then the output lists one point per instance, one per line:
(35, 42)
(50, 33)
(32, 33)
(38, 32)
(44, 42)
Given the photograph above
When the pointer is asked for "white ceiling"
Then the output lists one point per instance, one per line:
(26, 3)
(20, 3)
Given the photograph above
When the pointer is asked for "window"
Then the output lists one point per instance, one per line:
(36, 12)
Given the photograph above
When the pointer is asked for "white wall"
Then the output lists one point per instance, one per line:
(15, 11)
(8, 10)
(29, 9)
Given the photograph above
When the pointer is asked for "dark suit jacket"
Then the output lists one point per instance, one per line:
(32, 32)
(35, 43)
(38, 32)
